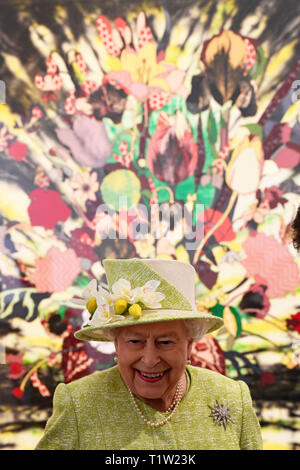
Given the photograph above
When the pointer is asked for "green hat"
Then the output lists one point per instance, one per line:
(141, 291)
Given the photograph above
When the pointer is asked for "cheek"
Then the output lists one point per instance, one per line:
(126, 361)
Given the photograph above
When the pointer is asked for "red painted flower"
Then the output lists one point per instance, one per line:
(208, 354)
(17, 392)
(47, 208)
(267, 378)
(293, 323)
(15, 366)
(17, 151)
(172, 154)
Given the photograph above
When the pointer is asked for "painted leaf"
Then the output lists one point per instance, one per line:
(255, 129)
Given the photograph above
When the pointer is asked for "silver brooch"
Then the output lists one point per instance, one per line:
(221, 414)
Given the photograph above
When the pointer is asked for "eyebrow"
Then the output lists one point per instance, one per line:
(171, 334)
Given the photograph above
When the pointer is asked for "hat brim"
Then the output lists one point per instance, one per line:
(101, 333)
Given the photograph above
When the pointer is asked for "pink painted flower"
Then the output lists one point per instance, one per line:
(15, 366)
(85, 186)
(17, 151)
(172, 154)
(47, 208)
(87, 141)
(56, 272)
(272, 261)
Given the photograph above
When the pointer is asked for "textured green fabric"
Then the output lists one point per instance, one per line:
(96, 412)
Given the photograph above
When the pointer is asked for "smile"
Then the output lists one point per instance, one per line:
(148, 377)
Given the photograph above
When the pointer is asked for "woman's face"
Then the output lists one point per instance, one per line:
(152, 359)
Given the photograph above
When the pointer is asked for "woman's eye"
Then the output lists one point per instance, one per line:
(134, 341)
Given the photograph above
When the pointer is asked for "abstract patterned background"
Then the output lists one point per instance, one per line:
(129, 105)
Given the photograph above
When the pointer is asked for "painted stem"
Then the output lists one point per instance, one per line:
(214, 228)
(27, 376)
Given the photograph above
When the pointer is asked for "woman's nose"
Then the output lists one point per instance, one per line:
(150, 355)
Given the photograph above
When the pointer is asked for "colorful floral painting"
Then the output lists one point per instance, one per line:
(158, 129)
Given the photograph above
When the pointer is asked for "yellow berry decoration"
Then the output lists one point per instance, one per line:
(121, 306)
(135, 310)
(91, 305)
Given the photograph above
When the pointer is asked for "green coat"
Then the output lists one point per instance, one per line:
(96, 412)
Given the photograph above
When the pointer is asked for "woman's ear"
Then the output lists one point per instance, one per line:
(189, 348)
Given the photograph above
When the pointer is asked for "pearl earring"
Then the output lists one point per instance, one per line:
(188, 362)
(116, 359)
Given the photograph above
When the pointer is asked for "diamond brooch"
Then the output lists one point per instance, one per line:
(221, 414)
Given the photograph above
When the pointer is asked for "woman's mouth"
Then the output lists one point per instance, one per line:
(151, 377)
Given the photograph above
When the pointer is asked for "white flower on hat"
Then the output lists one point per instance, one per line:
(90, 291)
(104, 312)
(121, 289)
(148, 295)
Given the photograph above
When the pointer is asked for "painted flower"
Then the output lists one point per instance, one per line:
(255, 301)
(16, 369)
(56, 272)
(85, 186)
(256, 212)
(245, 168)
(47, 208)
(4, 137)
(17, 392)
(108, 101)
(273, 197)
(141, 74)
(87, 141)
(18, 151)
(172, 154)
(293, 323)
(226, 59)
(139, 70)
(273, 261)
(208, 354)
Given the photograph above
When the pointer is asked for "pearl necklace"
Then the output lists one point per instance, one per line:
(172, 408)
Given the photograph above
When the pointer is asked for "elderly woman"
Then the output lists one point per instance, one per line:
(152, 399)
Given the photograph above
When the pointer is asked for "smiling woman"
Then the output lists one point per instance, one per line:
(152, 399)
(152, 360)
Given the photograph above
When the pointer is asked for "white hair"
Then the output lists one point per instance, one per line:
(196, 328)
